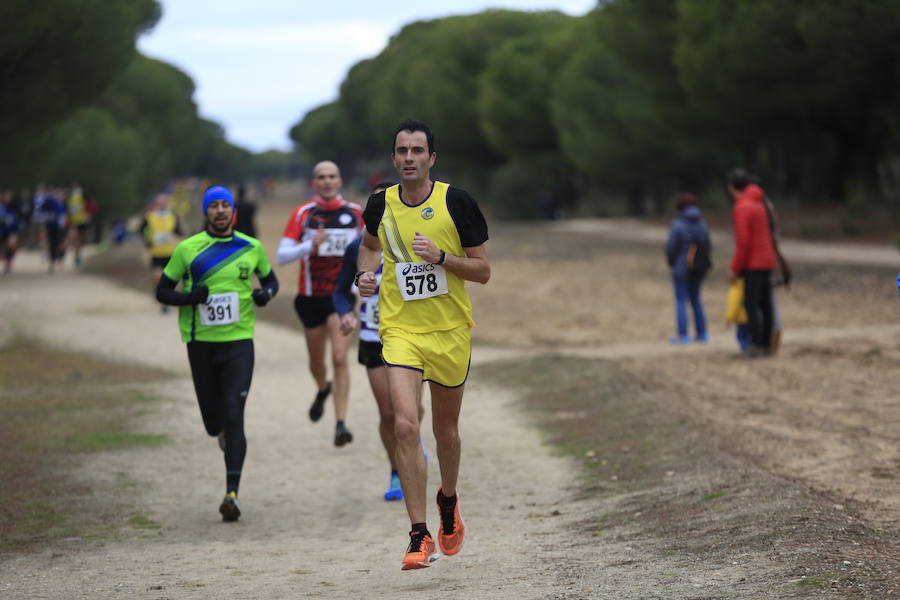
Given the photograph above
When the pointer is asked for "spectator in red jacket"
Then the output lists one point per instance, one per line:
(754, 258)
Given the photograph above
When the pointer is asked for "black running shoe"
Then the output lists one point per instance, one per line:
(230, 507)
(318, 405)
(342, 435)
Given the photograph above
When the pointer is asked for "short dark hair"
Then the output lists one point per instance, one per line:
(383, 185)
(739, 178)
(412, 125)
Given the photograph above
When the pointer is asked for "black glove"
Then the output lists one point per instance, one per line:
(199, 294)
(261, 296)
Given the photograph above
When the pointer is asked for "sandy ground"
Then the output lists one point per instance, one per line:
(314, 523)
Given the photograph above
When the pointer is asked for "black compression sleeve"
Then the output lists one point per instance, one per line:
(166, 294)
(270, 283)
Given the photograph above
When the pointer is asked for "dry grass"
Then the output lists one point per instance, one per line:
(57, 406)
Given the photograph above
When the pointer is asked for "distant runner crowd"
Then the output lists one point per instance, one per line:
(53, 219)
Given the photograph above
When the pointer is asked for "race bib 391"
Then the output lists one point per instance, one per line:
(220, 309)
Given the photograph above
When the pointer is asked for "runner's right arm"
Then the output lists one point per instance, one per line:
(369, 259)
(166, 293)
(291, 248)
(165, 289)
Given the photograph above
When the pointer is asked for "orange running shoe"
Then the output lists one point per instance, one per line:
(421, 551)
(453, 530)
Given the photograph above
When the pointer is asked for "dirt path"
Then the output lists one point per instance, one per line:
(314, 523)
(814, 429)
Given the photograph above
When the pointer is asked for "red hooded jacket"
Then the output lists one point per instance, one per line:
(753, 249)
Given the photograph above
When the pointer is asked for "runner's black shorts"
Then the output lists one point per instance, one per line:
(313, 310)
(370, 355)
(159, 261)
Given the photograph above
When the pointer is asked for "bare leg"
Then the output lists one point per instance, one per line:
(316, 339)
(378, 381)
(445, 406)
(406, 390)
(339, 346)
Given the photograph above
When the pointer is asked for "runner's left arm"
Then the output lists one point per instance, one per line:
(269, 283)
(473, 233)
(267, 278)
(474, 266)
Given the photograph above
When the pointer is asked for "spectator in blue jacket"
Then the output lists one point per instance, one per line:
(689, 252)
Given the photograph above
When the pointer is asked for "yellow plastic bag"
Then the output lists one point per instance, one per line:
(734, 306)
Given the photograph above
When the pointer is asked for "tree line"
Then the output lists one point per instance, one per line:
(533, 111)
(79, 103)
(636, 100)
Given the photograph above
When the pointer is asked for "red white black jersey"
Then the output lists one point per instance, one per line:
(319, 269)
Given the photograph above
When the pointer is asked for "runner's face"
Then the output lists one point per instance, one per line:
(411, 157)
(219, 214)
(327, 181)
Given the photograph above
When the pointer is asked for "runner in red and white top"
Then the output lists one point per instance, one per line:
(317, 234)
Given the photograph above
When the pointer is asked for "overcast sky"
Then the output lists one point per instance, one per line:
(260, 66)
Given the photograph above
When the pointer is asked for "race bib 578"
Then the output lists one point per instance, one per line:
(418, 280)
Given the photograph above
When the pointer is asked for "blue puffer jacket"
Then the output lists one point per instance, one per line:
(689, 227)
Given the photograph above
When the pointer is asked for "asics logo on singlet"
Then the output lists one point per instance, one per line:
(414, 268)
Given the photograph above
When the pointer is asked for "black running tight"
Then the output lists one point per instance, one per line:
(222, 372)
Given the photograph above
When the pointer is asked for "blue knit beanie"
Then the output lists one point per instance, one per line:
(217, 192)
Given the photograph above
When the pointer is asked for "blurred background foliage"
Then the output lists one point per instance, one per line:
(617, 110)
(537, 113)
(80, 104)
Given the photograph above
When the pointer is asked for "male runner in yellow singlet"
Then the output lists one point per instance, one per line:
(433, 238)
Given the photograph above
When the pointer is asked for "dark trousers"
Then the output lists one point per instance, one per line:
(222, 372)
(55, 237)
(758, 303)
